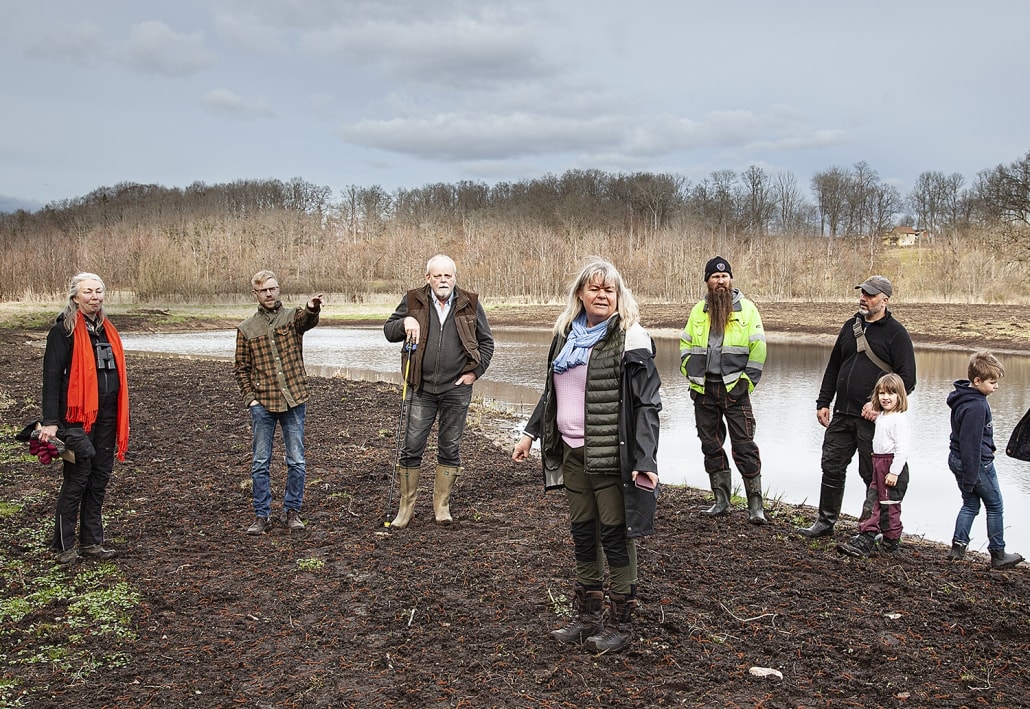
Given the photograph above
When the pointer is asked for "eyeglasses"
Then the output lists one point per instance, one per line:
(262, 291)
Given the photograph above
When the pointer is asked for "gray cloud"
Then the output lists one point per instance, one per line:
(80, 42)
(154, 47)
(227, 103)
(623, 138)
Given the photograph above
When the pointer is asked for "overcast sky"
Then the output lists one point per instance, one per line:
(401, 93)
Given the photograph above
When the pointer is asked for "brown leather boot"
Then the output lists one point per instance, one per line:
(445, 477)
(408, 481)
(587, 621)
(618, 626)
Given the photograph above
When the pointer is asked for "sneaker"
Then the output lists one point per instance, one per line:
(260, 526)
(859, 546)
(68, 556)
(293, 520)
(97, 551)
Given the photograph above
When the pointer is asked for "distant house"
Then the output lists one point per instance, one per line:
(902, 236)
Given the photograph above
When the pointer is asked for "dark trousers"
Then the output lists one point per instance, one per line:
(718, 411)
(449, 410)
(845, 435)
(597, 513)
(85, 481)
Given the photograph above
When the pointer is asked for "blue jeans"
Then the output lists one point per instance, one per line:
(451, 408)
(292, 423)
(987, 491)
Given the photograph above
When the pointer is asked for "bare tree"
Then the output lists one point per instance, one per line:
(757, 204)
(1005, 191)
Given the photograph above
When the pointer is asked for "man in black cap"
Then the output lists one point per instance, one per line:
(722, 353)
(868, 346)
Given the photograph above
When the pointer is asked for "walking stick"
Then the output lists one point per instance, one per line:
(402, 427)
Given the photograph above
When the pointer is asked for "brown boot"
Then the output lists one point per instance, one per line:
(587, 621)
(618, 626)
(408, 480)
(445, 477)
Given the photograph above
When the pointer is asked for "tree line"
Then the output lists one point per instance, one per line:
(521, 240)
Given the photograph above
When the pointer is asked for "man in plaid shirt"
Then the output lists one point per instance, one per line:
(269, 370)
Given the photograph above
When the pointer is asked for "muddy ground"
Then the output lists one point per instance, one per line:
(350, 613)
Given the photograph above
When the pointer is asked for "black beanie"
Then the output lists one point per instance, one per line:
(718, 264)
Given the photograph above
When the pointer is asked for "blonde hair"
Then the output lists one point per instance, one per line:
(260, 277)
(597, 268)
(983, 365)
(71, 308)
(891, 384)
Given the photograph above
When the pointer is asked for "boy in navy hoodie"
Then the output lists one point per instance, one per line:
(971, 459)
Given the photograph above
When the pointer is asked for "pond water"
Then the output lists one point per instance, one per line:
(788, 434)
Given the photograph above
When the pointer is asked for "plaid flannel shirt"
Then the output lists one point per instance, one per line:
(270, 357)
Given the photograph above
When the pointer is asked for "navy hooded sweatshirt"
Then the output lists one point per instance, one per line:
(972, 431)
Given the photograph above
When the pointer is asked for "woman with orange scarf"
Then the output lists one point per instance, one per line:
(85, 404)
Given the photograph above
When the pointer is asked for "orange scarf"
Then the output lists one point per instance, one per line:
(83, 401)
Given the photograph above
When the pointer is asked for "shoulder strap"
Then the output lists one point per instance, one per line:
(863, 346)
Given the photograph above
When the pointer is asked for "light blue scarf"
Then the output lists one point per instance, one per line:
(577, 347)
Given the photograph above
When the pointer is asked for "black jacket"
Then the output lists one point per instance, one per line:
(850, 375)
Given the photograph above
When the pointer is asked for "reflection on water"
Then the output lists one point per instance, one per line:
(788, 435)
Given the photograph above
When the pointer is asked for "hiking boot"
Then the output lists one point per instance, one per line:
(260, 526)
(618, 626)
(293, 521)
(68, 556)
(958, 552)
(587, 621)
(889, 546)
(97, 551)
(859, 546)
(1000, 560)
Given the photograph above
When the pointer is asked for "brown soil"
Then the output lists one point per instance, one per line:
(456, 616)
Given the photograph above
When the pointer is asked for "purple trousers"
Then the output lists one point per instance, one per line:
(885, 498)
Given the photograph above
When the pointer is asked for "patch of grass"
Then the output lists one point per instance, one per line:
(311, 564)
(9, 509)
(561, 606)
(77, 619)
(12, 451)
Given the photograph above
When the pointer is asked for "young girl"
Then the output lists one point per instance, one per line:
(891, 443)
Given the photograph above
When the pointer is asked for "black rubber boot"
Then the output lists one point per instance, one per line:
(721, 489)
(830, 499)
(1000, 560)
(618, 626)
(755, 512)
(587, 621)
(958, 552)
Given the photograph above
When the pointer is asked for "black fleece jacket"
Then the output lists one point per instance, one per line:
(850, 375)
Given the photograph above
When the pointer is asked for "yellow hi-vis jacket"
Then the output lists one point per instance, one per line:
(743, 345)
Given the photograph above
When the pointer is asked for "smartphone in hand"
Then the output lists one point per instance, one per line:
(644, 482)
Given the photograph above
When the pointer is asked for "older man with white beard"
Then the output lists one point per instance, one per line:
(722, 353)
(453, 345)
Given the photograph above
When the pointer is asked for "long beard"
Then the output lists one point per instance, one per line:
(720, 305)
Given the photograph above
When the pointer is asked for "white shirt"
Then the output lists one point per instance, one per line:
(893, 435)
